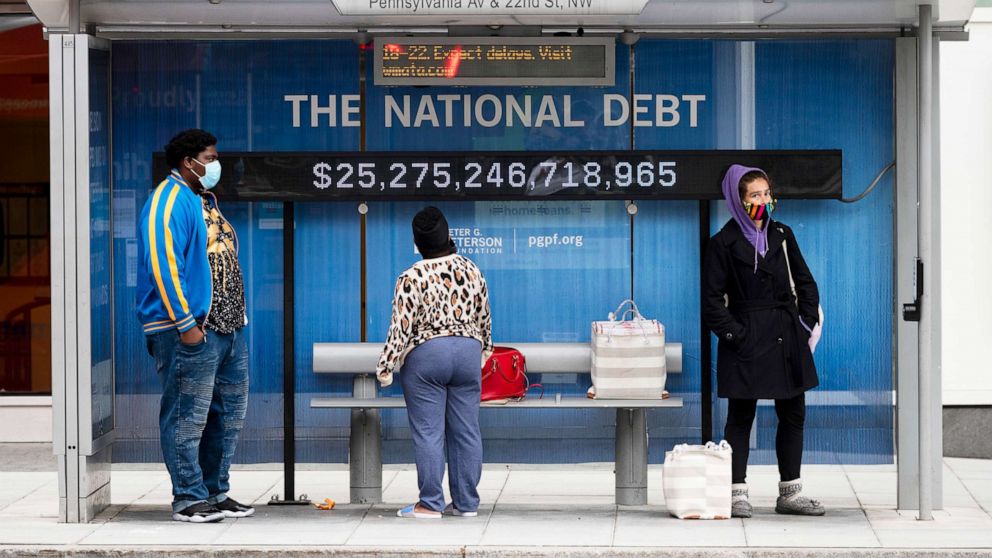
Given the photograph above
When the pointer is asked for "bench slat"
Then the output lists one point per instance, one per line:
(545, 403)
(572, 358)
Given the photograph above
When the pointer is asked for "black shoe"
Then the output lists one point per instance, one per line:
(201, 512)
(232, 508)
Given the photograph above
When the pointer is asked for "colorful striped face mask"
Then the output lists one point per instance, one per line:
(759, 211)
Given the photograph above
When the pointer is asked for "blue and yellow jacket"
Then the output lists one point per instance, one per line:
(174, 283)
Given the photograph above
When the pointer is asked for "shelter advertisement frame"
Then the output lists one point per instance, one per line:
(84, 460)
(82, 439)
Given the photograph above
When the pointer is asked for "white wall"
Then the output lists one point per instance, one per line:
(25, 419)
(966, 213)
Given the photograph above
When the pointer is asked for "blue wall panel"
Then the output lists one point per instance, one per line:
(538, 293)
(666, 233)
(830, 95)
(827, 94)
(234, 89)
(328, 309)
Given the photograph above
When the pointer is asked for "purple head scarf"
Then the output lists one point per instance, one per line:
(757, 237)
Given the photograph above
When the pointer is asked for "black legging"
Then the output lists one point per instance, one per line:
(788, 440)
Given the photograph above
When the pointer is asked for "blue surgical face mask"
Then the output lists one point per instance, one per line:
(211, 174)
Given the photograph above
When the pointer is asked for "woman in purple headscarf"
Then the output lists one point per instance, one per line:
(763, 325)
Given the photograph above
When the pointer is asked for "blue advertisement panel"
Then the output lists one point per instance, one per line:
(666, 233)
(812, 94)
(235, 90)
(552, 266)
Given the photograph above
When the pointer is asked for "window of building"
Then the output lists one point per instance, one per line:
(25, 279)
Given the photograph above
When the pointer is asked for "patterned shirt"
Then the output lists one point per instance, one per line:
(227, 308)
(439, 297)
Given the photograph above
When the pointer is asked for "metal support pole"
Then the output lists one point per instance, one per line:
(926, 238)
(705, 339)
(365, 446)
(289, 362)
(631, 457)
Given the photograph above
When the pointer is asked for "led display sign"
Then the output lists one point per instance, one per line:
(516, 175)
(494, 61)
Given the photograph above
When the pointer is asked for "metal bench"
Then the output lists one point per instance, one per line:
(365, 444)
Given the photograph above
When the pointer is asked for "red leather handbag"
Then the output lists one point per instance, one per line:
(504, 375)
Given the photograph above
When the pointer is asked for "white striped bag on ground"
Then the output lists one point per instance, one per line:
(628, 356)
(697, 481)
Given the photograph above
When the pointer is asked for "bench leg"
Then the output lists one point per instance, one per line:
(631, 458)
(365, 448)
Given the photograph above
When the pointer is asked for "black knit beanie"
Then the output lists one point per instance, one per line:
(430, 233)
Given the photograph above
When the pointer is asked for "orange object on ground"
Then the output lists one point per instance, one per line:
(327, 504)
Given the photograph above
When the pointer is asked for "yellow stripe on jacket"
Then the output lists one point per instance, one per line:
(153, 251)
(173, 268)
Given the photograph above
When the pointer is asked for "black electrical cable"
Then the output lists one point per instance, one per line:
(871, 187)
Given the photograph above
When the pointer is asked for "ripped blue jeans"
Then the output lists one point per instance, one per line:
(204, 400)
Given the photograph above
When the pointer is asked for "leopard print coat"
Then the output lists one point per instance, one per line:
(439, 297)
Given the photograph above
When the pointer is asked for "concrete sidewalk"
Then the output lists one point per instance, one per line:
(527, 510)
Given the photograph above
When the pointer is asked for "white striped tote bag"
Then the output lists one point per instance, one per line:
(697, 481)
(628, 356)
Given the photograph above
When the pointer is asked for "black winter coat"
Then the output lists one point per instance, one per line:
(763, 350)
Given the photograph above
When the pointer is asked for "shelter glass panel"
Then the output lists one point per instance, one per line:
(101, 316)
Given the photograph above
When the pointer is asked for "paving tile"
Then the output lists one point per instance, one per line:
(829, 486)
(951, 528)
(656, 487)
(840, 528)
(543, 505)
(25, 481)
(294, 525)
(578, 487)
(653, 526)
(318, 485)
(816, 468)
(966, 468)
(251, 487)
(158, 496)
(980, 489)
(572, 483)
(381, 527)
(955, 492)
(152, 526)
(127, 487)
(874, 487)
(879, 489)
(42, 531)
(15, 486)
(494, 478)
(43, 501)
(550, 525)
(254, 487)
(404, 488)
(877, 468)
(557, 499)
(913, 537)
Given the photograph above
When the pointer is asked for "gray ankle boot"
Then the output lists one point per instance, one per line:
(739, 505)
(792, 502)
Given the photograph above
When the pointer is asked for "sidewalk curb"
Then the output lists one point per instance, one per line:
(479, 552)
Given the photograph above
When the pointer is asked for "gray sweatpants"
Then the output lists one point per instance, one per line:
(442, 381)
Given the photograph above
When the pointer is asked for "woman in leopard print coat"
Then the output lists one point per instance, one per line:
(440, 335)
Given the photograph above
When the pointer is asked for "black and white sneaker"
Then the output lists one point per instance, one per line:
(201, 512)
(232, 508)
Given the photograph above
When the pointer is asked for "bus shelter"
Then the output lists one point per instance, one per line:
(299, 92)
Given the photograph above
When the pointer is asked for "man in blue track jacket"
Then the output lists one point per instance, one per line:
(191, 304)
